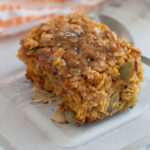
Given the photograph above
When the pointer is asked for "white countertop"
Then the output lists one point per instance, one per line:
(23, 135)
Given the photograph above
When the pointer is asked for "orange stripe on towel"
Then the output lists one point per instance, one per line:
(81, 8)
(56, 1)
(21, 20)
(13, 7)
(9, 7)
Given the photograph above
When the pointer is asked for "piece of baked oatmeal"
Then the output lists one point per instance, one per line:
(84, 63)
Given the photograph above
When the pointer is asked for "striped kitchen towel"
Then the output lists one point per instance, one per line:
(20, 15)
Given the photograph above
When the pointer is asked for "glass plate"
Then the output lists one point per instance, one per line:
(19, 90)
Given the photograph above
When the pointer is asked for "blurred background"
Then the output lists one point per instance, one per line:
(18, 16)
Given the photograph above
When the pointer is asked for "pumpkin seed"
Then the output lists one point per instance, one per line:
(120, 107)
(114, 98)
(126, 71)
(70, 116)
(133, 100)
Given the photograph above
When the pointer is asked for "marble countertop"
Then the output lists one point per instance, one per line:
(135, 15)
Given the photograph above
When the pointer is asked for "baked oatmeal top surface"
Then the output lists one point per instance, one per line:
(78, 48)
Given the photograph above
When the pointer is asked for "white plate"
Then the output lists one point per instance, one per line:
(19, 89)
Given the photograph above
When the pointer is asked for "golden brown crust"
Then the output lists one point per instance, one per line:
(80, 60)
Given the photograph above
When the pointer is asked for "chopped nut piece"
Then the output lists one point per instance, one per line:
(58, 117)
